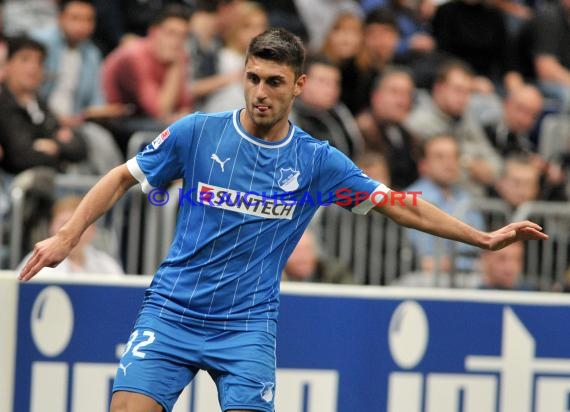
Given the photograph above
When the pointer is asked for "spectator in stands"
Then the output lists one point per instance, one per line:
(521, 110)
(209, 21)
(306, 264)
(519, 182)
(343, 45)
(226, 10)
(345, 37)
(417, 48)
(446, 113)
(30, 134)
(150, 73)
(3, 49)
(204, 45)
(3, 57)
(120, 21)
(551, 37)
(319, 15)
(414, 20)
(21, 16)
(503, 268)
(439, 167)
(511, 137)
(319, 111)
(72, 84)
(381, 37)
(84, 257)
(249, 21)
(284, 13)
(382, 125)
(475, 32)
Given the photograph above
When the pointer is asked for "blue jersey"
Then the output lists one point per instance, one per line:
(243, 205)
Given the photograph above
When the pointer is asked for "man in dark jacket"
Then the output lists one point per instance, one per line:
(29, 133)
(320, 112)
(382, 125)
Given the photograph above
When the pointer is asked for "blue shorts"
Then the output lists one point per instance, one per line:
(162, 357)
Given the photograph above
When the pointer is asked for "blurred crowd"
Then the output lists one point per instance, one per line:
(458, 99)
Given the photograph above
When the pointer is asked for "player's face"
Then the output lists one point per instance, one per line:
(269, 89)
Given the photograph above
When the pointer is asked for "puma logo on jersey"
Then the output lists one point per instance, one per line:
(216, 159)
(124, 368)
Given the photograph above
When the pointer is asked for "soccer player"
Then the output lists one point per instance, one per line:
(213, 302)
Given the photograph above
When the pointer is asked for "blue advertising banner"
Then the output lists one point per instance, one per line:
(340, 349)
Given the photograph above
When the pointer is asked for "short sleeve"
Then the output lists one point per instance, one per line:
(346, 184)
(162, 160)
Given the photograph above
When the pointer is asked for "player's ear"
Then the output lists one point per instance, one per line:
(299, 84)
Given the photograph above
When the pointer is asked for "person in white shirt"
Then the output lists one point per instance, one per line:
(84, 258)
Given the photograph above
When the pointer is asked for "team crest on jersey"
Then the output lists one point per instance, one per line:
(289, 180)
(160, 139)
(267, 392)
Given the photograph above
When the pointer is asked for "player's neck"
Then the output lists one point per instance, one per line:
(270, 133)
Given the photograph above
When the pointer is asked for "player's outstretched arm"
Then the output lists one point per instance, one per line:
(50, 252)
(419, 214)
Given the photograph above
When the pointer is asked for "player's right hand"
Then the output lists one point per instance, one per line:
(47, 253)
(514, 232)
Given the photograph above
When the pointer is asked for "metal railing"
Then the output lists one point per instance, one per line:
(378, 251)
(547, 262)
(373, 246)
(110, 237)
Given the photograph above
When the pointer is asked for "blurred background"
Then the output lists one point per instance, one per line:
(467, 101)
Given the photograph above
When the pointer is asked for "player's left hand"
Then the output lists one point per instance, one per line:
(515, 232)
(47, 253)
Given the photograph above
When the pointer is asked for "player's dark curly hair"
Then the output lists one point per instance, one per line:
(280, 46)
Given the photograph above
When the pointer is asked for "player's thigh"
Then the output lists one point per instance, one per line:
(123, 401)
(242, 365)
(156, 363)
